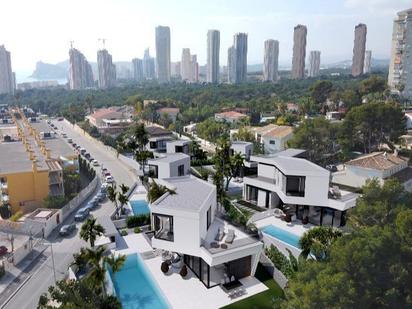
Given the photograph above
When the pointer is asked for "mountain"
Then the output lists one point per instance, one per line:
(376, 63)
(50, 71)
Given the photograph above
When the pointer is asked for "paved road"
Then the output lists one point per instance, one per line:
(42, 276)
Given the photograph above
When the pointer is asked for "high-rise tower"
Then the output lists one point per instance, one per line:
(314, 63)
(299, 52)
(7, 82)
(107, 70)
(148, 65)
(163, 53)
(359, 46)
(213, 50)
(240, 59)
(137, 69)
(270, 60)
(80, 71)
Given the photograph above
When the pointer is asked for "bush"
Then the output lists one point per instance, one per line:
(137, 230)
(139, 220)
(123, 232)
(164, 267)
(183, 271)
(201, 162)
(280, 261)
(16, 216)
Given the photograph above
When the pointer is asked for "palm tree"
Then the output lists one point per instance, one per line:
(238, 163)
(122, 199)
(124, 188)
(115, 262)
(112, 196)
(90, 230)
(318, 241)
(157, 191)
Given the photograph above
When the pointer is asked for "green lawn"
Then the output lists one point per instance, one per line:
(262, 300)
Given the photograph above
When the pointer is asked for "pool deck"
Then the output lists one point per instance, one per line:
(139, 193)
(296, 228)
(190, 291)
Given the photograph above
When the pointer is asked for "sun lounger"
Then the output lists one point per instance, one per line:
(230, 236)
(220, 234)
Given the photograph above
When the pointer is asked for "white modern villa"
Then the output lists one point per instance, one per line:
(186, 222)
(169, 165)
(299, 187)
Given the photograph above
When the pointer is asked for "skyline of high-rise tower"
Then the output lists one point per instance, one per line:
(185, 65)
(314, 63)
(148, 65)
(240, 57)
(80, 71)
(368, 62)
(7, 79)
(270, 60)
(137, 69)
(299, 52)
(231, 70)
(359, 47)
(163, 54)
(213, 54)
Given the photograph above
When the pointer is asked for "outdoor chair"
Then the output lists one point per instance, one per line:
(230, 236)
(220, 234)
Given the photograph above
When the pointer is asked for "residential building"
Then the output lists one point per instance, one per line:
(245, 149)
(176, 69)
(273, 138)
(80, 71)
(178, 146)
(169, 165)
(299, 52)
(314, 63)
(377, 165)
(186, 65)
(106, 68)
(7, 80)
(270, 61)
(359, 47)
(137, 69)
(170, 112)
(240, 57)
(231, 68)
(188, 222)
(32, 159)
(112, 120)
(400, 67)
(158, 138)
(195, 69)
(163, 53)
(368, 62)
(148, 65)
(213, 54)
(301, 188)
(230, 116)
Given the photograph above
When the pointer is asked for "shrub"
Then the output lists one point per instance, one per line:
(280, 261)
(164, 267)
(137, 230)
(123, 232)
(139, 220)
(183, 271)
(16, 216)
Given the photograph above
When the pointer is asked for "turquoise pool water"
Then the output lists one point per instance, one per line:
(282, 235)
(135, 287)
(140, 207)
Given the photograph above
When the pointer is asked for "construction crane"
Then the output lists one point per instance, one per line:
(71, 43)
(103, 41)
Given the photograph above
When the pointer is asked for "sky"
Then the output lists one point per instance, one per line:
(42, 29)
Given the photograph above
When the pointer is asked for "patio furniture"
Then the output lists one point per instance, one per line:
(220, 234)
(278, 213)
(223, 246)
(305, 220)
(214, 245)
(166, 256)
(177, 262)
(230, 236)
(231, 286)
(232, 278)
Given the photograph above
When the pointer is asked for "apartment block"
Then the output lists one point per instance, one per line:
(359, 46)
(299, 52)
(7, 80)
(80, 71)
(271, 61)
(314, 63)
(213, 51)
(163, 53)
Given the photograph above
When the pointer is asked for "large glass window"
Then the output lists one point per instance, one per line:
(314, 215)
(295, 185)
(153, 171)
(327, 216)
(181, 170)
(163, 226)
(209, 218)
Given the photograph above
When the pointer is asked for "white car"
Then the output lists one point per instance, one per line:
(109, 179)
(95, 163)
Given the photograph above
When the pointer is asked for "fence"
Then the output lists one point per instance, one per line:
(280, 278)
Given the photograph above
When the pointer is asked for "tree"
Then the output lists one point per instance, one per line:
(372, 84)
(69, 294)
(54, 202)
(318, 136)
(317, 241)
(157, 191)
(122, 197)
(71, 183)
(218, 182)
(115, 263)
(238, 163)
(320, 91)
(368, 126)
(137, 143)
(244, 134)
(196, 151)
(90, 230)
(222, 160)
(112, 196)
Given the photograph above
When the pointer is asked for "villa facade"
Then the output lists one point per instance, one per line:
(301, 188)
(187, 223)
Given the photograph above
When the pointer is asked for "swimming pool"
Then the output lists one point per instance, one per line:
(135, 287)
(285, 236)
(140, 207)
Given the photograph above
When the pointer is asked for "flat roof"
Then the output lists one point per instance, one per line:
(179, 142)
(190, 194)
(14, 158)
(241, 143)
(170, 157)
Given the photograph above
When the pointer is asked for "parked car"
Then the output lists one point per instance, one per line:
(82, 214)
(103, 188)
(109, 179)
(78, 147)
(60, 119)
(64, 135)
(332, 168)
(3, 250)
(91, 159)
(106, 174)
(95, 163)
(101, 196)
(69, 140)
(67, 229)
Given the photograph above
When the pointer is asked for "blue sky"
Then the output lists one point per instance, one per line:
(43, 28)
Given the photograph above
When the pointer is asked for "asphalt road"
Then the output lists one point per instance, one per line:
(42, 275)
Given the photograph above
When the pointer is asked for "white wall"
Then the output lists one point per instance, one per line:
(280, 143)
(170, 169)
